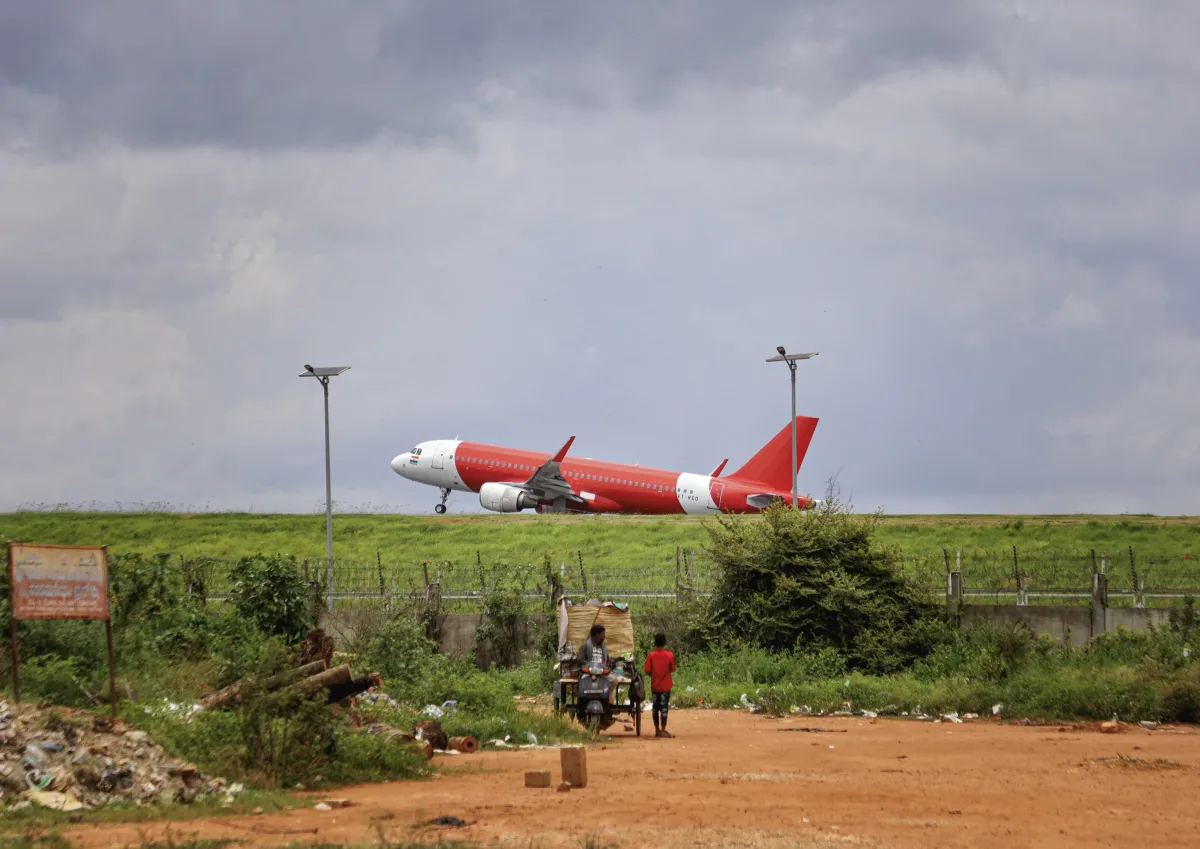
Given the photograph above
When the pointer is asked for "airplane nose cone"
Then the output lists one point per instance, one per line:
(398, 464)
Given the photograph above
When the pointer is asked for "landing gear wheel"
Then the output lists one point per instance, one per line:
(441, 508)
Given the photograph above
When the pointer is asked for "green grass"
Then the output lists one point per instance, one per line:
(246, 802)
(604, 541)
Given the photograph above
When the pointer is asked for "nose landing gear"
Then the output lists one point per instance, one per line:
(441, 508)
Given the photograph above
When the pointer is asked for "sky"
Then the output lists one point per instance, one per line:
(522, 221)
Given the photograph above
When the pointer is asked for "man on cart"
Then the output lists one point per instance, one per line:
(593, 648)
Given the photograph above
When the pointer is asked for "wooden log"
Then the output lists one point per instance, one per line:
(344, 690)
(466, 745)
(574, 766)
(231, 695)
(431, 730)
(407, 737)
(324, 680)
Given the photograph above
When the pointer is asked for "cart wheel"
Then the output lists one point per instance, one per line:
(637, 718)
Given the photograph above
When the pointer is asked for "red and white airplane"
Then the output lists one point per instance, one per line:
(509, 480)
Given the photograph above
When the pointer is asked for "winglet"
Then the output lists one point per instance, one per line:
(562, 452)
(717, 471)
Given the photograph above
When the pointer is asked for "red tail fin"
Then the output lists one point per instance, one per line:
(770, 465)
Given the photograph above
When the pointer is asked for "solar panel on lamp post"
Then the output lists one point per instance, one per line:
(790, 359)
(323, 375)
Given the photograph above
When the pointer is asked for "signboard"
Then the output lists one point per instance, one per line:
(58, 581)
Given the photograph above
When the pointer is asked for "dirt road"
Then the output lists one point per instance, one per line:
(732, 779)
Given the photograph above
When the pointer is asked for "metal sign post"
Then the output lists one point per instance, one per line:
(59, 582)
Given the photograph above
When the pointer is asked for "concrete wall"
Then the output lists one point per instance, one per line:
(458, 638)
(458, 633)
(1074, 625)
(1136, 620)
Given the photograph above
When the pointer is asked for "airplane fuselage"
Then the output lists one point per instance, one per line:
(601, 487)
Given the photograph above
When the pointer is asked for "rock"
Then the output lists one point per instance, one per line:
(539, 778)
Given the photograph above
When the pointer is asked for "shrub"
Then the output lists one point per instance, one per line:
(816, 579)
(271, 592)
(287, 734)
(1181, 698)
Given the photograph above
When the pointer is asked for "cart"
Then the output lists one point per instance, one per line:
(574, 624)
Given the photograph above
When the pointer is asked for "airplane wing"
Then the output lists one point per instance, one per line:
(717, 471)
(548, 483)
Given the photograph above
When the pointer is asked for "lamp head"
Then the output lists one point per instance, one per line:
(782, 352)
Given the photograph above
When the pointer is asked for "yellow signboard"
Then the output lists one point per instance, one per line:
(58, 581)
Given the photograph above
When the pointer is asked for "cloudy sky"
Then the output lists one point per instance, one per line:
(524, 220)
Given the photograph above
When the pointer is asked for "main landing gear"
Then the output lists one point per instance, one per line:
(441, 508)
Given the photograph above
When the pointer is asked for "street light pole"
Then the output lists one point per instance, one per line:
(329, 482)
(324, 375)
(791, 359)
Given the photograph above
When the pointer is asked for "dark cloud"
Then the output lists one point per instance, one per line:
(523, 221)
(302, 74)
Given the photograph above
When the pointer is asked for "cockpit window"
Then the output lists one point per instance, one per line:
(416, 451)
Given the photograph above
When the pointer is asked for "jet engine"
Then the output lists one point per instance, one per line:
(503, 498)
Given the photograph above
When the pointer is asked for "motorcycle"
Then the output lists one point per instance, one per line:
(594, 695)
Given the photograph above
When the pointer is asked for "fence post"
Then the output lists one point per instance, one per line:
(1021, 599)
(379, 566)
(954, 596)
(1099, 604)
(1139, 597)
(1137, 592)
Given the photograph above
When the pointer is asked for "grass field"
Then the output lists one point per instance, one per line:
(604, 541)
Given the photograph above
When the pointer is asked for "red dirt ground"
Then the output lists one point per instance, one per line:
(732, 779)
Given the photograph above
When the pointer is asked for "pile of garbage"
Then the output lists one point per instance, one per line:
(70, 760)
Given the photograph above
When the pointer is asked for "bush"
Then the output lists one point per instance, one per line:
(1181, 698)
(405, 657)
(287, 734)
(816, 579)
(271, 592)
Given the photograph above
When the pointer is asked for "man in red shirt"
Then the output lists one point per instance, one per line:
(660, 663)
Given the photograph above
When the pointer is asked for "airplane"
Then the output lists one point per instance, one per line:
(510, 480)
